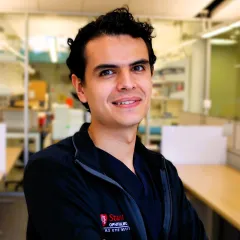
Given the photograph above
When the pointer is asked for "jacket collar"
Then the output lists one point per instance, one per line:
(87, 153)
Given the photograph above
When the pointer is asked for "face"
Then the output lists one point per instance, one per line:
(118, 81)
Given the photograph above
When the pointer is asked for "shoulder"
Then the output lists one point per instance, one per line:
(53, 168)
(61, 153)
(54, 164)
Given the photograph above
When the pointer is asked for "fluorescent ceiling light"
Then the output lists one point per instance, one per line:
(40, 44)
(187, 43)
(235, 25)
(219, 41)
(221, 30)
(52, 49)
(216, 32)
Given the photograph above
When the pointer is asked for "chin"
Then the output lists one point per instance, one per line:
(130, 122)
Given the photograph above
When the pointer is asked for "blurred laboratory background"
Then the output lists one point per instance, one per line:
(194, 118)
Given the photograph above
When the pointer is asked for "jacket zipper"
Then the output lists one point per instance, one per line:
(143, 234)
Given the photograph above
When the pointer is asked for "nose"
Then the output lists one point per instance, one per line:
(125, 81)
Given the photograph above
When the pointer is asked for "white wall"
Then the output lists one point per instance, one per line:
(197, 77)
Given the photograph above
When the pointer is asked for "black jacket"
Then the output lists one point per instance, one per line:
(69, 197)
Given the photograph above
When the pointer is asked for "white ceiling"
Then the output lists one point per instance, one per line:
(168, 8)
(163, 8)
(229, 10)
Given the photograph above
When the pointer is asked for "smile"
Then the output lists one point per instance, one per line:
(124, 103)
(127, 103)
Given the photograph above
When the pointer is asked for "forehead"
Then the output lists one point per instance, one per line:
(120, 49)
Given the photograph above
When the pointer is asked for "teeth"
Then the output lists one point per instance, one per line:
(125, 103)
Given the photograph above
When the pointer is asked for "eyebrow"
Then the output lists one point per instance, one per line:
(104, 66)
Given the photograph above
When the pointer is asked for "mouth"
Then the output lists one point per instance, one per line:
(126, 103)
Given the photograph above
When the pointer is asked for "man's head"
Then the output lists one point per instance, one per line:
(111, 63)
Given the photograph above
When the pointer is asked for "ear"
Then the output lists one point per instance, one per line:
(76, 82)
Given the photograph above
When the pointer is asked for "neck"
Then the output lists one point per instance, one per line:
(119, 142)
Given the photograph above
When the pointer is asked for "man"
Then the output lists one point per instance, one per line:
(102, 183)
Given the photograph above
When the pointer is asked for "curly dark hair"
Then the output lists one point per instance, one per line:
(117, 22)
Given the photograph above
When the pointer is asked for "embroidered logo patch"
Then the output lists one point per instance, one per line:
(114, 223)
(104, 219)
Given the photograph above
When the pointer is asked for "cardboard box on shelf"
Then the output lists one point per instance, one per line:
(37, 90)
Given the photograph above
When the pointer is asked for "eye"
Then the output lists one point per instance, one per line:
(138, 68)
(106, 72)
